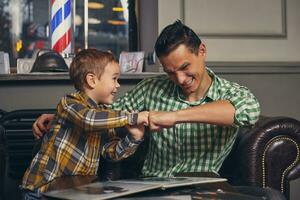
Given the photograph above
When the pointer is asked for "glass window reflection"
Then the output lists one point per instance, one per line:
(24, 26)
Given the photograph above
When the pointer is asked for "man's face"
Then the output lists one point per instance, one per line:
(184, 68)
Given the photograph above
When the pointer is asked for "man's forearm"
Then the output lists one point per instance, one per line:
(218, 112)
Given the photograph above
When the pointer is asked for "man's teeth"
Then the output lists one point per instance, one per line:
(189, 82)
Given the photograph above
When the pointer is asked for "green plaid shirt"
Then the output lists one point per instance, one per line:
(189, 147)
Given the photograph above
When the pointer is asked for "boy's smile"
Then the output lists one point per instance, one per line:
(107, 86)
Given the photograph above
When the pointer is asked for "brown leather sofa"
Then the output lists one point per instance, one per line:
(266, 155)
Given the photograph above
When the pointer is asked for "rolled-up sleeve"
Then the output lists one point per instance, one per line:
(90, 119)
(247, 108)
(117, 149)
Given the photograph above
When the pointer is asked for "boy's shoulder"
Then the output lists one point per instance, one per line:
(74, 97)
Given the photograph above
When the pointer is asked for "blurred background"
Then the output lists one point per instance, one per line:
(24, 26)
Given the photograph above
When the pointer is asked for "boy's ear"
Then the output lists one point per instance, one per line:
(90, 80)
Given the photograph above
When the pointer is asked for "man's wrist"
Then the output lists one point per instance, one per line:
(176, 116)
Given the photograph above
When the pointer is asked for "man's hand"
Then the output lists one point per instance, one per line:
(160, 119)
(143, 118)
(42, 125)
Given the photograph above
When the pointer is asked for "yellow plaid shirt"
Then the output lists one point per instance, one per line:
(72, 147)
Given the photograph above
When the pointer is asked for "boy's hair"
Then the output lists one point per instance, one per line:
(89, 61)
(174, 35)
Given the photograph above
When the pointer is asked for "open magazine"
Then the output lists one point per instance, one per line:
(113, 189)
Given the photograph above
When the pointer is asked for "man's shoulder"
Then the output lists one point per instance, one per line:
(224, 83)
(155, 81)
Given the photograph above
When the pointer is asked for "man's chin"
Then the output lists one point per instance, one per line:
(188, 90)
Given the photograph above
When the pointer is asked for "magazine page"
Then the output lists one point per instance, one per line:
(168, 197)
(120, 188)
(101, 190)
(170, 182)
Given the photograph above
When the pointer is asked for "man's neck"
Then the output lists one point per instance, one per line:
(202, 90)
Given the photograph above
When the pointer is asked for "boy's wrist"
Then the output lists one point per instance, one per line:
(132, 118)
(132, 141)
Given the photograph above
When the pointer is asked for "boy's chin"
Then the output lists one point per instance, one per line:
(109, 102)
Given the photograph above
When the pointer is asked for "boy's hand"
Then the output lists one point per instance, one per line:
(143, 118)
(161, 119)
(42, 125)
(137, 131)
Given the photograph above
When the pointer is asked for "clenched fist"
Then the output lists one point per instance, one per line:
(161, 119)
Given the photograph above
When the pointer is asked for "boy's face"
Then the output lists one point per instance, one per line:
(107, 86)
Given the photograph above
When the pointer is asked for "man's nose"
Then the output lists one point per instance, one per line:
(117, 85)
(180, 77)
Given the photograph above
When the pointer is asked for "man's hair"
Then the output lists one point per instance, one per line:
(174, 35)
(89, 61)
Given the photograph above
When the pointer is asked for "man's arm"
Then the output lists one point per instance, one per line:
(218, 112)
(42, 125)
(236, 107)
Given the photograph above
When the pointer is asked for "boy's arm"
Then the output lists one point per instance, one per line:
(133, 100)
(117, 149)
(71, 109)
(41, 125)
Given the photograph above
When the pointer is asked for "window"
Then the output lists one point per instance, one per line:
(103, 24)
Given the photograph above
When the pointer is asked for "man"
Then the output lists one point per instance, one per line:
(194, 114)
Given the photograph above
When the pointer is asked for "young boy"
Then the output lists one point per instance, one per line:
(73, 145)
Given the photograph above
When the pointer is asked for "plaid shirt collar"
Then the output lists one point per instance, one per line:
(89, 101)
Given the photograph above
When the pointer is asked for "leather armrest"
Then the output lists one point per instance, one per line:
(266, 155)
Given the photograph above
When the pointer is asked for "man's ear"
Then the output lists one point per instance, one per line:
(90, 79)
(202, 49)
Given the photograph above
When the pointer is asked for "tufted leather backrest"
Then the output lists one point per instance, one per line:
(266, 155)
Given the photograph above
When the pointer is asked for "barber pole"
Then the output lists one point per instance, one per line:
(61, 31)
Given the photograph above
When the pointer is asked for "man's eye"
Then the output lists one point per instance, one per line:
(185, 67)
(170, 73)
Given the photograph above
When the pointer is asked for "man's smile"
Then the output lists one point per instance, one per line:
(188, 83)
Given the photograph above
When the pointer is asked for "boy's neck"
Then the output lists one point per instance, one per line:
(91, 96)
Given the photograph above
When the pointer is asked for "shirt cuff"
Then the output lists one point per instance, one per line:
(131, 142)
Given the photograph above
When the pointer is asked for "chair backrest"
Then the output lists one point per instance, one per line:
(2, 162)
(19, 139)
(2, 113)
